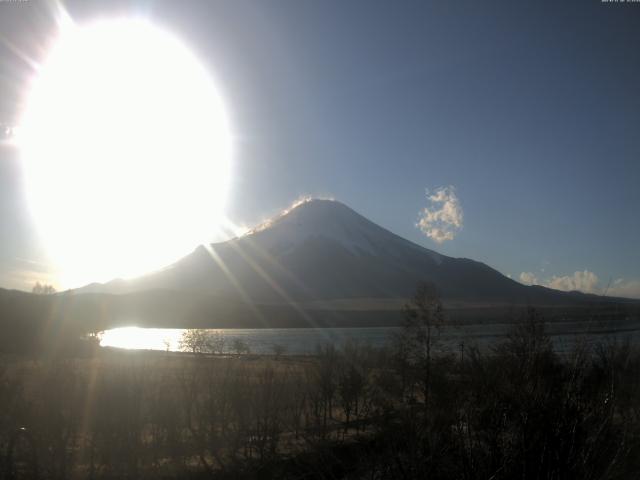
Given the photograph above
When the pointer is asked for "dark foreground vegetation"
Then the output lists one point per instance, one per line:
(518, 411)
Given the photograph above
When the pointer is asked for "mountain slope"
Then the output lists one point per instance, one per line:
(322, 250)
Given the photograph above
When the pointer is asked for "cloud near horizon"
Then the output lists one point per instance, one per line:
(23, 275)
(586, 282)
(625, 288)
(442, 219)
(529, 278)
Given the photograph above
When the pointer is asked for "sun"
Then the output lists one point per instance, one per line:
(126, 148)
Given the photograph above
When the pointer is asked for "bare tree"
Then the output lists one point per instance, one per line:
(424, 317)
(217, 342)
(195, 340)
(352, 373)
(278, 350)
(241, 347)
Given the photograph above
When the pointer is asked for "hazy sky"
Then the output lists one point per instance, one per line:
(530, 110)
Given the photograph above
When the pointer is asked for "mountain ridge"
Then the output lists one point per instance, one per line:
(323, 250)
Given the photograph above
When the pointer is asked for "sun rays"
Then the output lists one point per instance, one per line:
(126, 147)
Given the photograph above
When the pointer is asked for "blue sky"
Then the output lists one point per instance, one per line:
(529, 109)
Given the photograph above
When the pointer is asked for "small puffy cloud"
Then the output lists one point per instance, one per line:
(587, 282)
(442, 219)
(584, 281)
(528, 278)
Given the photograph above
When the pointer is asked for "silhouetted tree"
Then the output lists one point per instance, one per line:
(424, 317)
(217, 342)
(43, 289)
(278, 349)
(196, 341)
(240, 347)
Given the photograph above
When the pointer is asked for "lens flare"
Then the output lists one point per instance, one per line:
(126, 148)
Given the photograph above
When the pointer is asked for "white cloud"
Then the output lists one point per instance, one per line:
(587, 282)
(528, 278)
(442, 219)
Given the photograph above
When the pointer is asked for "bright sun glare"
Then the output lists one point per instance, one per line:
(126, 149)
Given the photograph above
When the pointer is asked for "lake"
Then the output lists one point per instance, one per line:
(303, 341)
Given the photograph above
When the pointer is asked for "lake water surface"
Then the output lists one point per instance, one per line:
(304, 341)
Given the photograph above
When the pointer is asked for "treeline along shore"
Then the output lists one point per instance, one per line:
(36, 322)
(519, 411)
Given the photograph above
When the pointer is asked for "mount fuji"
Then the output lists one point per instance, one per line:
(320, 258)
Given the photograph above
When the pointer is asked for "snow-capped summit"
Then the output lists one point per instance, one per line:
(331, 221)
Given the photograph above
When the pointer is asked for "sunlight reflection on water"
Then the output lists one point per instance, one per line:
(143, 338)
(296, 341)
(304, 341)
